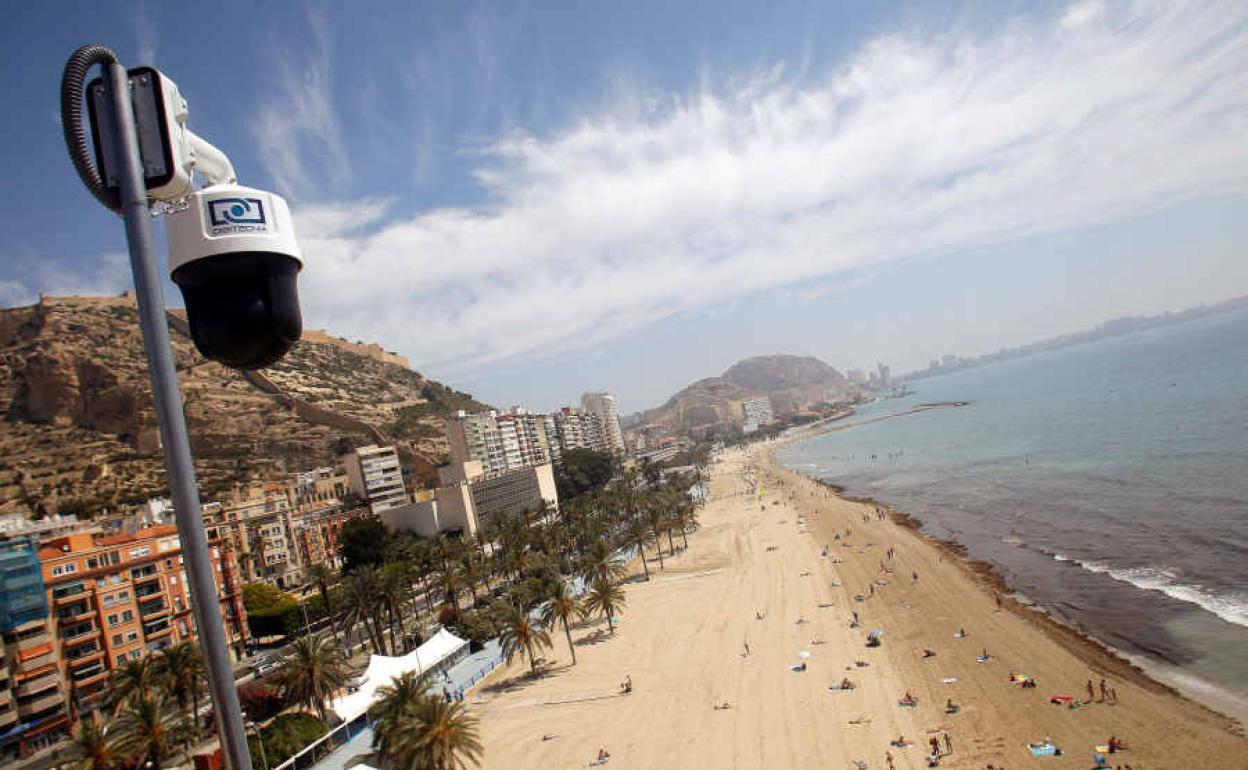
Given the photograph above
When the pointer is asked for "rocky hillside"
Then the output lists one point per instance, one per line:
(79, 432)
(792, 383)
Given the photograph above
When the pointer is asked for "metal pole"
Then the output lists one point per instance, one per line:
(173, 435)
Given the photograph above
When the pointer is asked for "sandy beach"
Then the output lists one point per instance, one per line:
(755, 575)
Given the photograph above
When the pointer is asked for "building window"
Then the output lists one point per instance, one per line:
(118, 640)
(132, 636)
(138, 552)
(64, 569)
(112, 621)
(127, 616)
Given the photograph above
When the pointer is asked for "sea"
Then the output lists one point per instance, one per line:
(1107, 482)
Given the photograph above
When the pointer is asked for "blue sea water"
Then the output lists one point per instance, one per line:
(1108, 482)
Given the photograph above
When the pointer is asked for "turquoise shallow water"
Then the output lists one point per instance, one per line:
(1108, 482)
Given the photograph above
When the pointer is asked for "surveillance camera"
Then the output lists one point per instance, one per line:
(232, 251)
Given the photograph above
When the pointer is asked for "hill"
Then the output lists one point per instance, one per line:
(79, 432)
(713, 405)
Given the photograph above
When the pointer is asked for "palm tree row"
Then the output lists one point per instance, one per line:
(153, 709)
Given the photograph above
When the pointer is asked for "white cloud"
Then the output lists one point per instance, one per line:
(668, 203)
(107, 274)
(297, 129)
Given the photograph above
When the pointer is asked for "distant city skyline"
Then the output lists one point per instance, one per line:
(530, 202)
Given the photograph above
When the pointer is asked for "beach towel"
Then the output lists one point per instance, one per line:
(1045, 750)
(949, 680)
(1060, 699)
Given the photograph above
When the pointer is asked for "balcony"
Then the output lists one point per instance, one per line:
(146, 589)
(66, 594)
(75, 613)
(8, 718)
(34, 640)
(45, 681)
(153, 629)
(79, 635)
(83, 658)
(89, 676)
(154, 608)
(141, 574)
(36, 657)
(39, 705)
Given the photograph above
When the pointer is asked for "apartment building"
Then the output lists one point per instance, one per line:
(121, 597)
(318, 484)
(757, 412)
(603, 405)
(257, 524)
(32, 699)
(580, 429)
(470, 497)
(374, 473)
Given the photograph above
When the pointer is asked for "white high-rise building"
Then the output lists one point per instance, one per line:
(500, 442)
(603, 405)
(374, 473)
(757, 413)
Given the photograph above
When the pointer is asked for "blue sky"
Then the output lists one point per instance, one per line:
(530, 200)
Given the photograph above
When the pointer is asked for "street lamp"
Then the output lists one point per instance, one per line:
(264, 761)
(232, 251)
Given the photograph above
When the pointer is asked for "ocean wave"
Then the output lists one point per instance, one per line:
(1233, 608)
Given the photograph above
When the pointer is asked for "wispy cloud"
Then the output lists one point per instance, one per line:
(297, 128)
(662, 203)
(108, 274)
(144, 33)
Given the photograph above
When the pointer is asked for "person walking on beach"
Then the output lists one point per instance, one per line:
(1091, 692)
(1104, 694)
(747, 650)
(888, 757)
(1113, 697)
(948, 744)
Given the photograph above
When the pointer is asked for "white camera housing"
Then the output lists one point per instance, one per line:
(232, 251)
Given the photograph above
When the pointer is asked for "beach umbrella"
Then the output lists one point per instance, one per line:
(803, 655)
(876, 634)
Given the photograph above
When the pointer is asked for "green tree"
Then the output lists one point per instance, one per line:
(180, 669)
(89, 747)
(312, 672)
(607, 597)
(584, 471)
(362, 604)
(396, 703)
(363, 543)
(562, 607)
(145, 731)
(440, 735)
(519, 634)
(134, 677)
(321, 574)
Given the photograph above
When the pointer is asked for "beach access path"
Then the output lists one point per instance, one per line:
(682, 640)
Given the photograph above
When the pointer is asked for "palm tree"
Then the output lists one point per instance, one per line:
(605, 596)
(90, 747)
(395, 587)
(394, 707)
(321, 574)
(518, 633)
(598, 562)
(440, 735)
(145, 732)
(361, 596)
(562, 606)
(312, 672)
(132, 677)
(636, 535)
(180, 669)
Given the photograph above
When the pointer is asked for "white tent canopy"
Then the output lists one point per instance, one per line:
(382, 669)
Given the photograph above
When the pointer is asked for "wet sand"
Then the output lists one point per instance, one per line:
(682, 639)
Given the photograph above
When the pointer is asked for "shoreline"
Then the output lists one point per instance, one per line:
(1097, 654)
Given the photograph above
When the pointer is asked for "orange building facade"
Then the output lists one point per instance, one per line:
(115, 598)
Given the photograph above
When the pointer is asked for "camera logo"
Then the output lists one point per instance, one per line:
(228, 212)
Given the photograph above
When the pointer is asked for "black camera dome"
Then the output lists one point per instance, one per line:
(242, 307)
